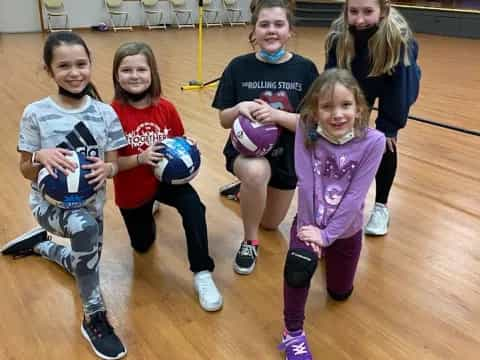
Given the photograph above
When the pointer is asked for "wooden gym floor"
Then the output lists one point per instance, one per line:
(417, 293)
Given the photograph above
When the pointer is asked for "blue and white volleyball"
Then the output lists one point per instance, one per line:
(180, 162)
(70, 191)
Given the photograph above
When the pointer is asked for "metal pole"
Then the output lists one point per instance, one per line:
(40, 12)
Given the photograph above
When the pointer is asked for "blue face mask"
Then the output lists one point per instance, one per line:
(272, 57)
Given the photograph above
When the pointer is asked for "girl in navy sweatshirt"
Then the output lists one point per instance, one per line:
(374, 42)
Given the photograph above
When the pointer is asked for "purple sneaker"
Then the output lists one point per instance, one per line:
(295, 346)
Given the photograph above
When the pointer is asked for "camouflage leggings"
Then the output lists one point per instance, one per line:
(82, 259)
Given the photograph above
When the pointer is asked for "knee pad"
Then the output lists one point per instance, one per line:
(300, 267)
(340, 297)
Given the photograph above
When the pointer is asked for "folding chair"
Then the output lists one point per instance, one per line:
(180, 10)
(153, 15)
(211, 13)
(114, 9)
(233, 12)
(54, 9)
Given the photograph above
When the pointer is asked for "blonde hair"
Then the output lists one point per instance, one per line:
(384, 47)
(323, 87)
(130, 49)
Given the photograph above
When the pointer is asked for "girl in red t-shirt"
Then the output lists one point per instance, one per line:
(147, 118)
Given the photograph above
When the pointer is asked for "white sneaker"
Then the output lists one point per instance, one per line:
(379, 220)
(155, 207)
(208, 294)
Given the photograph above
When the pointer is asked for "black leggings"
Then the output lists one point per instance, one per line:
(385, 175)
(141, 223)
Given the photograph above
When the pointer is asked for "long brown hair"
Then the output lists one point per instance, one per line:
(130, 49)
(322, 88)
(257, 5)
(384, 46)
(60, 38)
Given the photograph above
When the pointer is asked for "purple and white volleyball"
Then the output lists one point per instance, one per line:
(253, 139)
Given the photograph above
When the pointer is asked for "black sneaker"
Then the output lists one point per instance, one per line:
(231, 191)
(102, 338)
(246, 258)
(23, 245)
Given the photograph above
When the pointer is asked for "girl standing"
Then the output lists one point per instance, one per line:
(373, 40)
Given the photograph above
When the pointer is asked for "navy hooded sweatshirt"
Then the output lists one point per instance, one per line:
(396, 92)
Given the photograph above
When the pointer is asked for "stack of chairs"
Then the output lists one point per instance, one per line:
(117, 16)
(54, 10)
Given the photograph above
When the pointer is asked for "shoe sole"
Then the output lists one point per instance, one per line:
(210, 309)
(243, 271)
(373, 233)
(31, 233)
(232, 197)
(213, 309)
(370, 233)
(100, 355)
(224, 190)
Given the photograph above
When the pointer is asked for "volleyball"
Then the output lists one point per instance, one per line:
(180, 162)
(70, 191)
(253, 139)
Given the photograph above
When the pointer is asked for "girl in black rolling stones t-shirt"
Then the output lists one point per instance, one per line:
(266, 86)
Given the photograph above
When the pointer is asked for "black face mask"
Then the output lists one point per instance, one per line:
(363, 35)
(136, 97)
(76, 96)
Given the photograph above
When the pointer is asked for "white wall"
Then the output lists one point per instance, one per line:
(19, 16)
(22, 15)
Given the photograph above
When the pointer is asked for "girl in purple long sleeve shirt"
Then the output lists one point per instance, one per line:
(336, 158)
